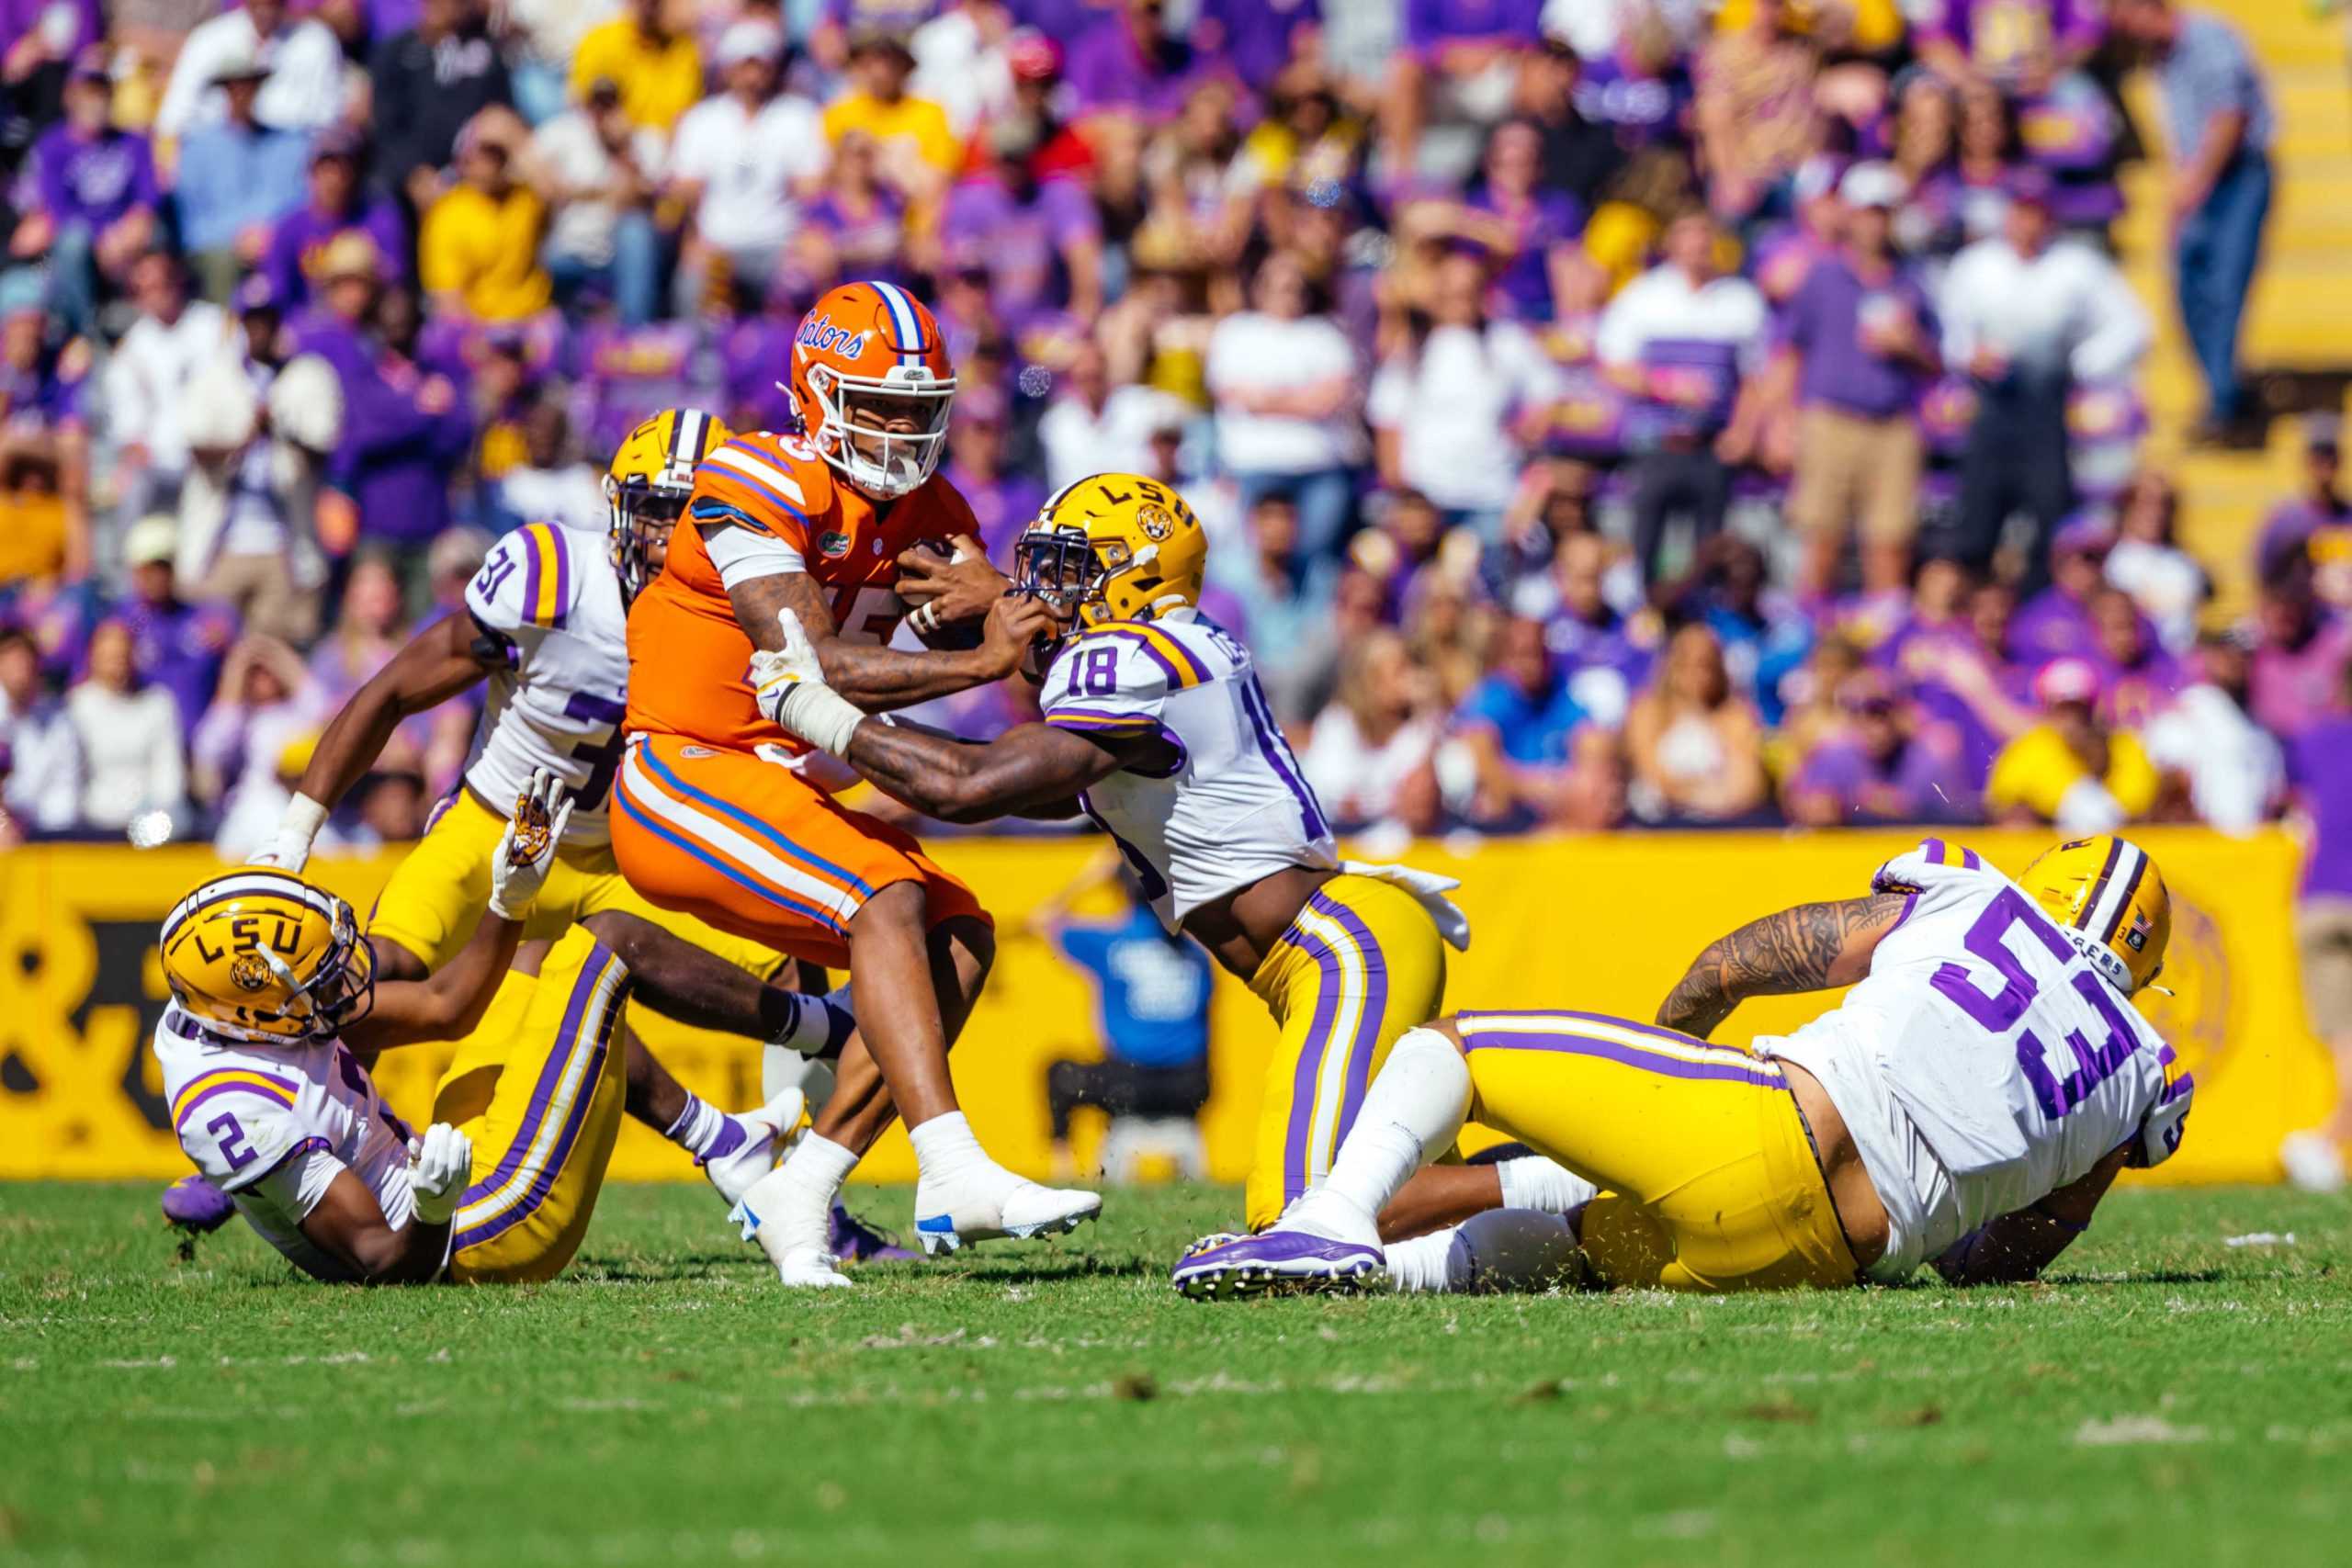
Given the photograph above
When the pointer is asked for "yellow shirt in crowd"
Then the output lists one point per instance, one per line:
(485, 250)
(917, 122)
(659, 81)
(2037, 768)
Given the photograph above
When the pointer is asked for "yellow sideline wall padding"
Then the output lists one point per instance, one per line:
(1601, 923)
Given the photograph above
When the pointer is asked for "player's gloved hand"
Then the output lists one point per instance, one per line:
(298, 826)
(788, 684)
(1430, 889)
(519, 868)
(440, 1164)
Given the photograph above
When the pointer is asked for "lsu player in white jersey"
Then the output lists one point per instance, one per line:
(1967, 1104)
(275, 1002)
(1156, 728)
(545, 627)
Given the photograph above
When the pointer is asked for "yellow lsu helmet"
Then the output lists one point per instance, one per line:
(258, 954)
(651, 475)
(1114, 547)
(2109, 897)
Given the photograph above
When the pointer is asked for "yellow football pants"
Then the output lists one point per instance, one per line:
(1708, 1178)
(539, 1089)
(1363, 963)
(436, 894)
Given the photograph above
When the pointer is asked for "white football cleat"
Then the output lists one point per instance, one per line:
(1019, 1210)
(769, 1133)
(795, 1243)
(2313, 1162)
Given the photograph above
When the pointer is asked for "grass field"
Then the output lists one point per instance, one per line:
(2171, 1398)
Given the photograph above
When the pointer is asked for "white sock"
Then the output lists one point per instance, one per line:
(817, 1168)
(1420, 1264)
(1412, 1111)
(1534, 1181)
(698, 1126)
(819, 1024)
(782, 1068)
(946, 1148)
(1502, 1249)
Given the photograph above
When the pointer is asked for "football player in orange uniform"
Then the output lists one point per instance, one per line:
(713, 817)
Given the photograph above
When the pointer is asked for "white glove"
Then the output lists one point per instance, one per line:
(440, 1164)
(298, 826)
(789, 686)
(1430, 889)
(527, 848)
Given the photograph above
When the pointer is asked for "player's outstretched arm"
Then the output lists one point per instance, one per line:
(451, 1000)
(2017, 1246)
(874, 679)
(1809, 947)
(443, 659)
(348, 1226)
(1034, 767)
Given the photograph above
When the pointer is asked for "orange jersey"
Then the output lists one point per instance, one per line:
(688, 660)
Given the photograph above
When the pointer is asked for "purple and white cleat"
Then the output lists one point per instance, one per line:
(1276, 1263)
(852, 1240)
(195, 1205)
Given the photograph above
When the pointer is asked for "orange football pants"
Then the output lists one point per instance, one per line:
(750, 847)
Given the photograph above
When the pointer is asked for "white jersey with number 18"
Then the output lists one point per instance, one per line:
(1232, 806)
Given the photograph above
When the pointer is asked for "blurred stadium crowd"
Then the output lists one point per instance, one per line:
(1606, 411)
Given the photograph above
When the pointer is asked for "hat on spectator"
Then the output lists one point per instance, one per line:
(2084, 534)
(345, 142)
(349, 254)
(2324, 432)
(749, 39)
(1872, 185)
(154, 537)
(604, 92)
(2066, 680)
(255, 293)
(91, 65)
(1866, 691)
(242, 62)
(872, 40)
(1815, 178)
(1031, 56)
(2030, 185)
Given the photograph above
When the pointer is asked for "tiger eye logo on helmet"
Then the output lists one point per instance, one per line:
(249, 972)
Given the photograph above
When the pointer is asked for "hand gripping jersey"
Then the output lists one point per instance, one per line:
(271, 1125)
(783, 510)
(1234, 808)
(1982, 1063)
(548, 597)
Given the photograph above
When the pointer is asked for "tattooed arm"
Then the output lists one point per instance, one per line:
(876, 679)
(1810, 948)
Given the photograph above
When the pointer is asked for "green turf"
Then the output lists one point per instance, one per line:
(2171, 1399)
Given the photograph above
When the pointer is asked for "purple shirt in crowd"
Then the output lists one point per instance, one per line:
(1432, 25)
(1255, 36)
(2294, 525)
(300, 235)
(2052, 624)
(1550, 217)
(1021, 241)
(2318, 764)
(2289, 689)
(18, 17)
(179, 646)
(1823, 322)
(1927, 780)
(93, 180)
(747, 356)
(1001, 506)
(1999, 36)
(1642, 108)
(396, 459)
(1108, 70)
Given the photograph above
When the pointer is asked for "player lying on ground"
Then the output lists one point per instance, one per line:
(1968, 1102)
(1156, 728)
(275, 999)
(546, 627)
(717, 817)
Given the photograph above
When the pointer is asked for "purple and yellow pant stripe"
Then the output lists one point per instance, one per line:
(544, 1138)
(1708, 1179)
(1360, 964)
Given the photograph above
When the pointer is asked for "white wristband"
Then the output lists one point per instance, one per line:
(820, 716)
(298, 826)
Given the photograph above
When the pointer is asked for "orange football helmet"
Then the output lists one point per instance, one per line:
(872, 384)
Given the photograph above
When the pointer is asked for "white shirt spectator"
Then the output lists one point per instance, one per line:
(2067, 308)
(44, 785)
(1662, 307)
(1253, 353)
(2166, 582)
(1356, 780)
(1079, 440)
(2235, 768)
(1450, 406)
(748, 164)
(150, 369)
(961, 68)
(303, 92)
(130, 744)
(572, 495)
(576, 159)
